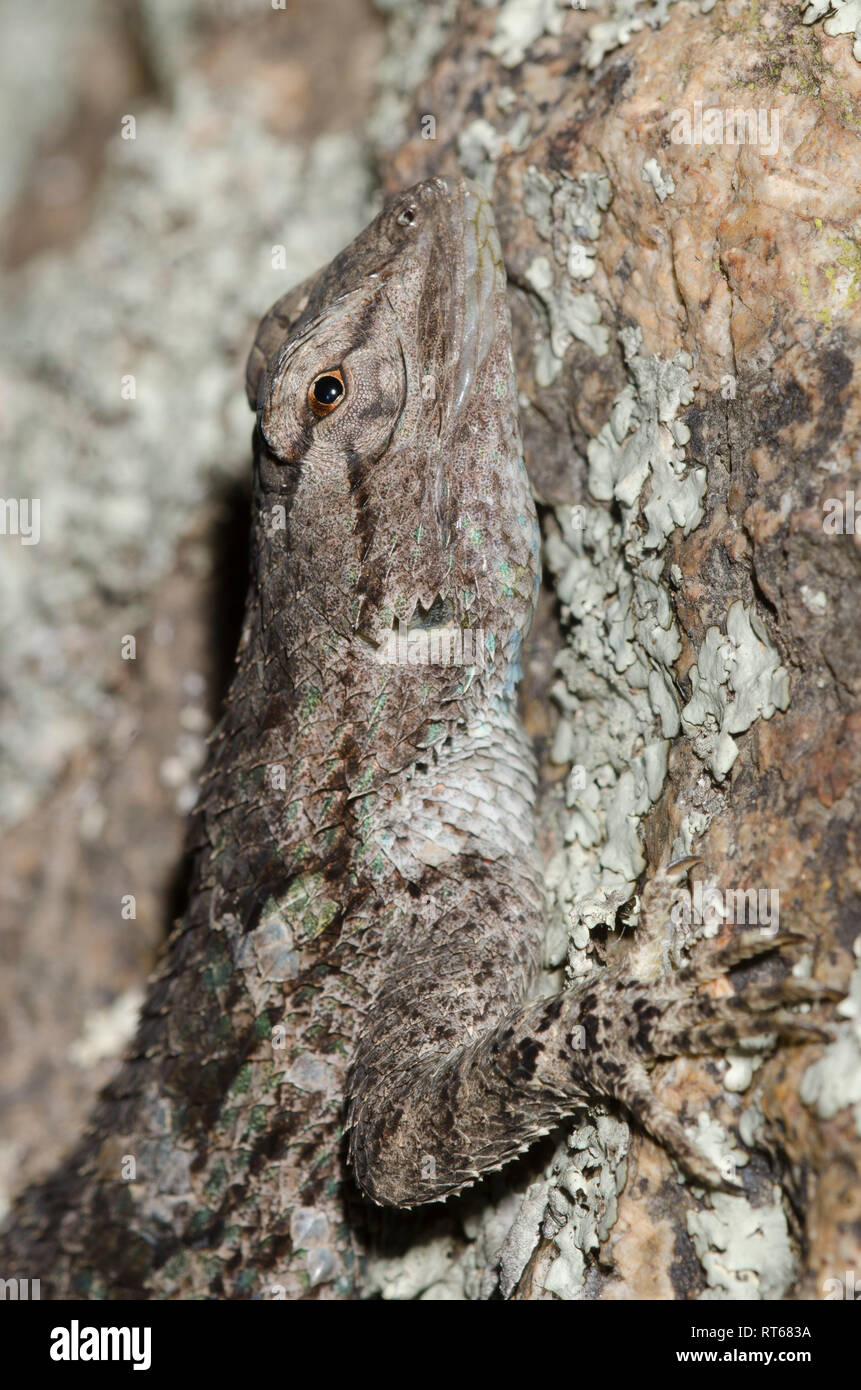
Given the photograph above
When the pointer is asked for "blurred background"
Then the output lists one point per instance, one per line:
(167, 169)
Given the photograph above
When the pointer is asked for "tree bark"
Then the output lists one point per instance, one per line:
(687, 319)
(663, 276)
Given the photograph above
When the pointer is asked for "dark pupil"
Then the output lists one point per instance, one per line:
(327, 389)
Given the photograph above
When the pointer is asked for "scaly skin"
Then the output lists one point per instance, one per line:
(364, 928)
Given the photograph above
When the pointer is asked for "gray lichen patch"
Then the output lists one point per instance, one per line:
(741, 1066)
(834, 1082)
(413, 1274)
(628, 17)
(480, 144)
(620, 710)
(745, 1250)
(498, 1238)
(738, 678)
(567, 213)
(662, 182)
(643, 439)
(416, 32)
(522, 1236)
(566, 1214)
(582, 1207)
(571, 315)
(841, 17)
(617, 691)
(712, 1139)
(519, 23)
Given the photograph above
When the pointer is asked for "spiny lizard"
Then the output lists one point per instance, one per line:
(365, 924)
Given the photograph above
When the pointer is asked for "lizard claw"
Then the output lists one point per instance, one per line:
(746, 945)
(675, 1017)
(680, 867)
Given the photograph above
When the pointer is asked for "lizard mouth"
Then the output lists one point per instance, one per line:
(484, 279)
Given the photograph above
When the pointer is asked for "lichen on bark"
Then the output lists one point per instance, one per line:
(739, 263)
(687, 321)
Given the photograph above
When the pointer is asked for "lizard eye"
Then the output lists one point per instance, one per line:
(326, 392)
(406, 217)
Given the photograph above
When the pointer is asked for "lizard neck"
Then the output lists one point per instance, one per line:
(331, 762)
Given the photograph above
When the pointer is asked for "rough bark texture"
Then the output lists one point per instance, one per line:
(145, 500)
(709, 698)
(750, 265)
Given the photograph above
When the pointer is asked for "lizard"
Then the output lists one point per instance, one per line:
(348, 1005)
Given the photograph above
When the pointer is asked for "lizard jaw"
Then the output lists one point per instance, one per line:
(484, 281)
(483, 271)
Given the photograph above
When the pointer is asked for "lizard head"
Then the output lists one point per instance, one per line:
(391, 490)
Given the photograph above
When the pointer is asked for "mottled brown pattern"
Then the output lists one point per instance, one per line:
(365, 923)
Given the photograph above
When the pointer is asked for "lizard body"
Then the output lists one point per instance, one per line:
(365, 924)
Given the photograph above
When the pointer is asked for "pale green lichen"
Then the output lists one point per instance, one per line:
(572, 316)
(567, 213)
(523, 1235)
(737, 678)
(609, 581)
(620, 709)
(415, 33)
(582, 1205)
(752, 1125)
(480, 144)
(713, 1141)
(745, 1250)
(741, 1065)
(519, 23)
(841, 17)
(661, 181)
(834, 1082)
(628, 17)
(642, 439)
(414, 1273)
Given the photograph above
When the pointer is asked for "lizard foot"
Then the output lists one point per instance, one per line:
(673, 1016)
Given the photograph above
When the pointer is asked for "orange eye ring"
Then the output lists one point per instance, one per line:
(326, 392)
